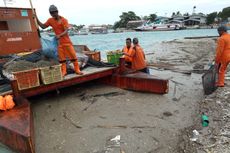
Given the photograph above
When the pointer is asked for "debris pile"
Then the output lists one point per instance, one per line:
(216, 137)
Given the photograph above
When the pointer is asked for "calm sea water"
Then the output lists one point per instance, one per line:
(114, 41)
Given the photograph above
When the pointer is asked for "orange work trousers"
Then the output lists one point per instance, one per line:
(67, 51)
(224, 61)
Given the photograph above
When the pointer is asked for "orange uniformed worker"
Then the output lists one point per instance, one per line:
(138, 57)
(65, 48)
(222, 53)
(127, 50)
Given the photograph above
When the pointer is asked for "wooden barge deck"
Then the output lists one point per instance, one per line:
(16, 125)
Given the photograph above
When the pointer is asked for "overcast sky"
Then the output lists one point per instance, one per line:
(108, 11)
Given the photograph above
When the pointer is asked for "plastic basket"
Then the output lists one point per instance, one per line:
(27, 79)
(114, 58)
(51, 74)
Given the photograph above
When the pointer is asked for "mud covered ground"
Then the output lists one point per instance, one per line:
(94, 118)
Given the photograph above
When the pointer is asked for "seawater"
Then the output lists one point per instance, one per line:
(114, 41)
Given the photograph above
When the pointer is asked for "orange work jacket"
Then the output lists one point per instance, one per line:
(223, 48)
(138, 58)
(59, 27)
(128, 51)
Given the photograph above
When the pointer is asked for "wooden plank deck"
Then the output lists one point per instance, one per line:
(90, 74)
(87, 72)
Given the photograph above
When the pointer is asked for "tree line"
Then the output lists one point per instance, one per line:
(125, 17)
(218, 16)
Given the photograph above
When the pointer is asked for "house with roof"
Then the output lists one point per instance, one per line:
(195, 19)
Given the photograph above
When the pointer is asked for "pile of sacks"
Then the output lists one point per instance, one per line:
(6, 102)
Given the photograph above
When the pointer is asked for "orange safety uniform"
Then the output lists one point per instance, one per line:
(128, 51)
(138, 58)
(223, 56)
(65, 47)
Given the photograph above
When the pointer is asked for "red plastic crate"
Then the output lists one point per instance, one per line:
(27, 79)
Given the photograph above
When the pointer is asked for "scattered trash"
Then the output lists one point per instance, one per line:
(113, 144)
(195, 135)
(6, 102)
(116, 139)
(205, 120)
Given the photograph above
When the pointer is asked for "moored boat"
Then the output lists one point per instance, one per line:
(82, 31)
(98, 29)
(158, 27)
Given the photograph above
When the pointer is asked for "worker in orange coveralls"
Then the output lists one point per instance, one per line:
(65, 48)
(222, 54)
(127, 50)
(138, 57)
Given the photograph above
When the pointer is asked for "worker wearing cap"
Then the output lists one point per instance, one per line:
(65, 48)
(138, 57)
(222, 53)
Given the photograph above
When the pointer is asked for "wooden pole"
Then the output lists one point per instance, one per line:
(35, 20)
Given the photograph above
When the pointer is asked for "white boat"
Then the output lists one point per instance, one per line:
(98, 30)
(83, 31)
(158, 27)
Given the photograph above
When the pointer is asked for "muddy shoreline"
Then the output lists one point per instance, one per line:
(85, 118)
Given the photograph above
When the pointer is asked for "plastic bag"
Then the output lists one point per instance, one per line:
(2, 103)
(9, 102)
(49, 48)
(6, 102)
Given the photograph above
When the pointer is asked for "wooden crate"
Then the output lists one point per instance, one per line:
(27, 79)
(51, 74)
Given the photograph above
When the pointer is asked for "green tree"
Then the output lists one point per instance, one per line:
(211, 18)
(152, 17)
(173, 14)
(178, 13)
(125, 18)
(78, 27)
(145, 17)
(225, 13)
(116, 25)
(186, 14)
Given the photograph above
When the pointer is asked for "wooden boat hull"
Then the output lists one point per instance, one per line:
(138, 81)
(16, 127)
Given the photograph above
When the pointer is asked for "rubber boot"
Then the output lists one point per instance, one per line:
(63, 69)
(76, 68)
